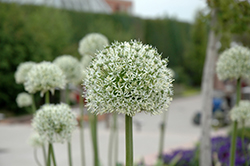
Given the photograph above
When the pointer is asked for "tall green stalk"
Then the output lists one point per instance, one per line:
(33, 103)
(47, 101)
(69, 144)
(162, 134)
(49, 154)
(113, 140)
(116, 142)
(36, 159)
(69, 154)
(129, 140)
(52, 154)
(235, 124)
(243, 140)
(44, 154)
(81, 129)
(93, 122)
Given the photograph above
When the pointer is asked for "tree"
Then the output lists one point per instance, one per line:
(195, 55)
(227, 18)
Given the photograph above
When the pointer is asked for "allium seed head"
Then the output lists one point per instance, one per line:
(22, 71)
(91, 43)
(24, 100)
(43, 77)
(234, 63)
(36, 141)
(241, 112)
(71, 68)
(128, 78)
(55, 123)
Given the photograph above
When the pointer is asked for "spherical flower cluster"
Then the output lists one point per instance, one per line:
(92, 42)
(234, 63)
(36, 141)
(128, 78)
(241, 112)
(85, 61)
(22, 71)
(55, 123)
(71, 68)
(43, 77)
(24, 100)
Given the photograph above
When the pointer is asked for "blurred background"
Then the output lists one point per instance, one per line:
(41, 30)
(37, 30)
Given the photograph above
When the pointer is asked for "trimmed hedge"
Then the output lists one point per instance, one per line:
(37, 33)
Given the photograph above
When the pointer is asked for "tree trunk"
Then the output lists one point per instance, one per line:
(207, 94)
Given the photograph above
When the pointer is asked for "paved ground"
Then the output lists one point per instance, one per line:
(181, 133)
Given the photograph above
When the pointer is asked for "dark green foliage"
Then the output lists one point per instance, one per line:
(196, 50)
(27, 34)
(170, 37)
(36, 33)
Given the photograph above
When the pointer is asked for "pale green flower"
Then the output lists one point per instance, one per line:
(91, 43)
(172, 73)
(22, 70)
(24, 100)
(71, 68)
(55, 123)
(44, 77)
(85, 61)
(128, 78)
(241, 112)
(36, 141)
(234, 63)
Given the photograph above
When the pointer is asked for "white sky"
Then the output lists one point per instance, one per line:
(183, 10)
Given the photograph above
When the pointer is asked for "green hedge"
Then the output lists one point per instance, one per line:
(32, 33)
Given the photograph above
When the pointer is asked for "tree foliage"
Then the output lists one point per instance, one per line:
(37, 33)
(196, 49)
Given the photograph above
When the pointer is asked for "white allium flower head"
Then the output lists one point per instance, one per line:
(55, 123)
(36, 140)
(85, 61)
(71, 68)
(43, 77)
(91, 43)
(241, 112)
(128, 78)
(172, 73)
(24, 100)
(22, 70)
(234, 63)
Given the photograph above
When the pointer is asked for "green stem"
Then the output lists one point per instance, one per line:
(113, 141)
(47, 97)
(93, 126)
(69, 154)
(35, 156)
(110, 146)
(243, 141)
(129, 140)
(95, 140)
(242, 135)
(234, 134)
(162, 134)
(67, 94)
(44, 154)
(48, 158)
(233, 142)
(52, 154)
(33, 104)
(81, 130)
(116, 140)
